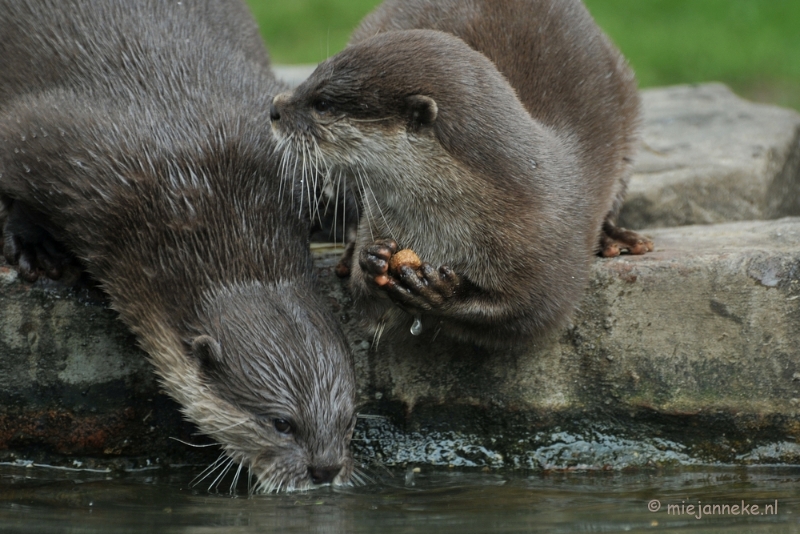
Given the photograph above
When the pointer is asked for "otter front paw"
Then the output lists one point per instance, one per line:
(374, 260)
(30, 247)
(425, 288)
(408, 281)
(615, 240)
(34, 260)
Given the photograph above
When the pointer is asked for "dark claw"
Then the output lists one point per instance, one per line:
(12, 248)
(27, 266)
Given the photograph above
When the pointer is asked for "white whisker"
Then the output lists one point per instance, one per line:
(232, 489)
(207, 471)
(377, 204)
(365, 202)
(193, 445)
(222, 473)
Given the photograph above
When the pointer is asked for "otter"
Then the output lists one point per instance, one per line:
(132, 142)
(493, 138)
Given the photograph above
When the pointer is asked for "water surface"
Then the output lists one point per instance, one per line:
(36, 499)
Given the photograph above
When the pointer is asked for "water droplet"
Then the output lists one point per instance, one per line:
(416, 328)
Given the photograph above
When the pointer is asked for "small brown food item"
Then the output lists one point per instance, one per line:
(404, 257)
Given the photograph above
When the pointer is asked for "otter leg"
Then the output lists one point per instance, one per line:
(30, 247)
(614, 240)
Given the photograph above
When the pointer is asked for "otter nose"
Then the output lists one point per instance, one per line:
(274, 113)
(323, 475)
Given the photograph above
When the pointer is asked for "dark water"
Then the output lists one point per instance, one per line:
(47, 500)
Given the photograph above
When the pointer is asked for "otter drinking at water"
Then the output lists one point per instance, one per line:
(132, 141)
(492, 138)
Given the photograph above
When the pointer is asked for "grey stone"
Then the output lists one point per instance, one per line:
(709, 156)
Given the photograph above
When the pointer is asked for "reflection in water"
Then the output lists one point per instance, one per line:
(45, 500)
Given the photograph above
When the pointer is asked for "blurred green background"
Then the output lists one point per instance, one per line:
(751, 45)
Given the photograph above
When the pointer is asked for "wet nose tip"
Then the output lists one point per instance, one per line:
(274, 113)
(323, 475)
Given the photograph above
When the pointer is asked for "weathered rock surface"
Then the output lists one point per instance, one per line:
(73, 382)
(687, 354)
(709, 156)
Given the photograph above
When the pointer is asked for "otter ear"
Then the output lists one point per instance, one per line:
(207, 350)
(422, 110)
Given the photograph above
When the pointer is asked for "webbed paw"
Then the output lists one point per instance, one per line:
(31, 248)
(615, 240)
(409, 282)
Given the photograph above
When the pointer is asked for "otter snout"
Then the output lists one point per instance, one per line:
(278, 102)
(323, 475)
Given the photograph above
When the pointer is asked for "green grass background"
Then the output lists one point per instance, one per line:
(751, 45)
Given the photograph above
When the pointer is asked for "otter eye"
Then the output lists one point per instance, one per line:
(282, 425)
(322, 106)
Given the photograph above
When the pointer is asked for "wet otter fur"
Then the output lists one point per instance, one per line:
(132, 139)
(498, 151)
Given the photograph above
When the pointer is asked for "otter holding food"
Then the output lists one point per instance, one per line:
(494, 138)
(132, 139)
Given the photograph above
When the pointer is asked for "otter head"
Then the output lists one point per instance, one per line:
(364, 99)
(397, 106)
(280, 385)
